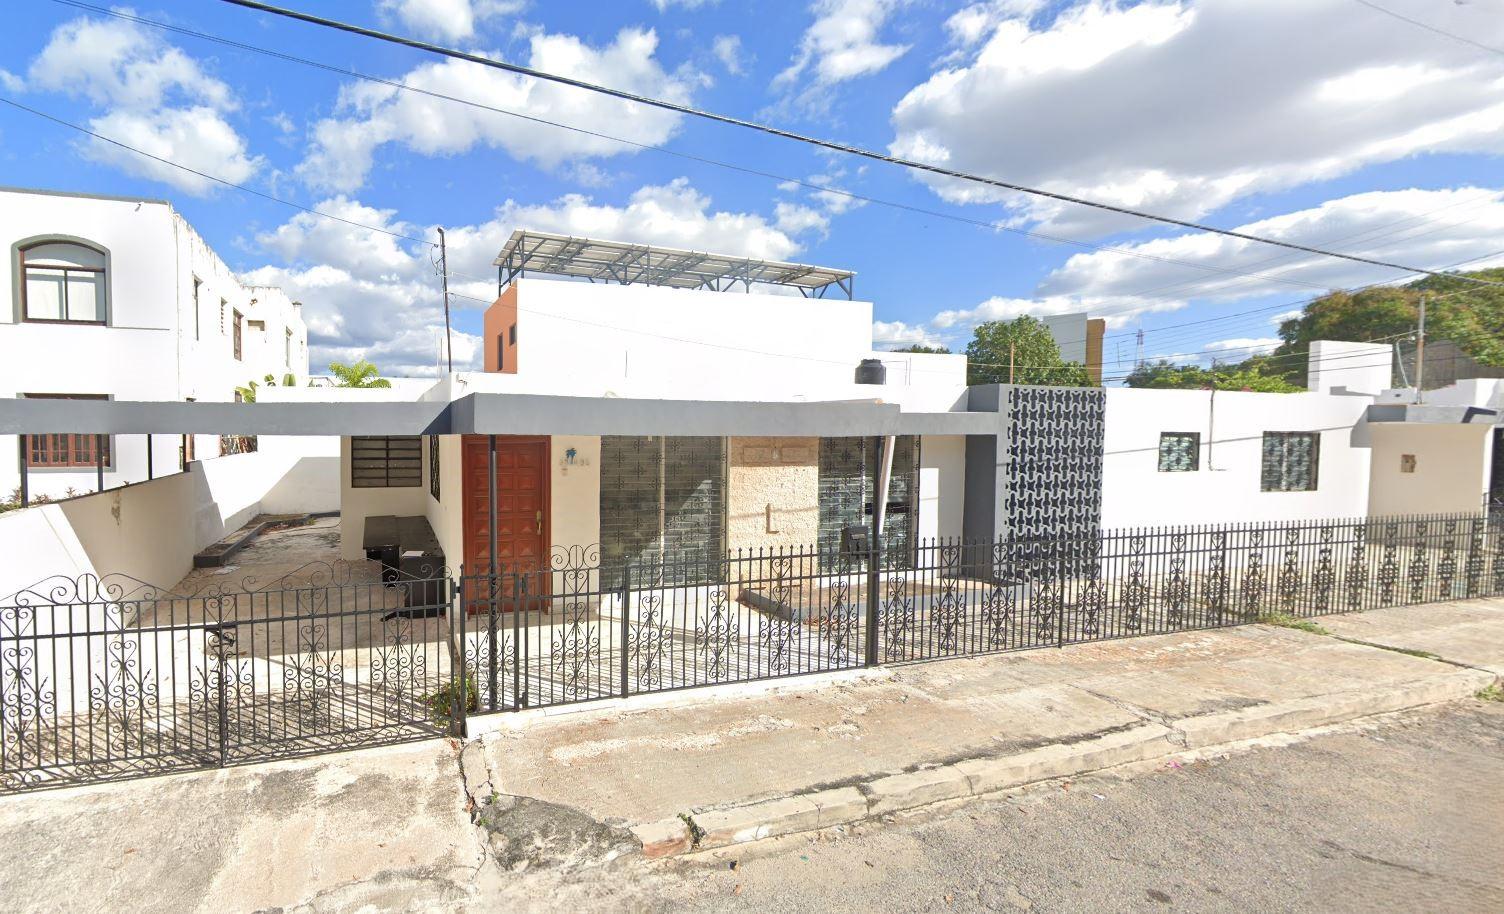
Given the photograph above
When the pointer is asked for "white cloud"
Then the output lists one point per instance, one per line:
(795, 218)
(197, 138)
(1429, 227)
(728, 50)
(1182, 107)
(971, 24)
(156, 98)
(898, 333)
(372, 115)
(450, 20)
(1244, 346)
(842, 44)
(10, 82)
(369, 294)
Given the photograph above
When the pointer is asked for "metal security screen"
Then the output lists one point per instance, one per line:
(1290, 462)
(663, 497)
(1179, 452)
(387, 461)
(848, 481)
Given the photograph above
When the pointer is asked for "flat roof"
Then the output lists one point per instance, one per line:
(619, 261)
(487, 413)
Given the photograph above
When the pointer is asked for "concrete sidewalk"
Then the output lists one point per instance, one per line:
(701, 773)
(375, 830)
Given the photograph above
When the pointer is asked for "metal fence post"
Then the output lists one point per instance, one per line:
(872, 602)
(626, 625)
(519, 637)
(1060, 603)
(458, 718)
(224, 713)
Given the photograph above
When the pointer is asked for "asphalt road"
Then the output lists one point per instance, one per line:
(1408, 815)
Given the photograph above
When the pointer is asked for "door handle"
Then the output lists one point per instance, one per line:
(540, 522)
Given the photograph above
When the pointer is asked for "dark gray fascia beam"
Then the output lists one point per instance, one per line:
(126, 417)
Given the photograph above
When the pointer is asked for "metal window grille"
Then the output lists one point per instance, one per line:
(848, 482)
(1291, 462)
(433, 466)
(386, 461)
(663, 497)
(1179, 452)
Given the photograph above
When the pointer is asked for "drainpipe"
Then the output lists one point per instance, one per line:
(1211, 430)
(884, 479)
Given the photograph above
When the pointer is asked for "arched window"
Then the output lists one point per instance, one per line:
(62, 281)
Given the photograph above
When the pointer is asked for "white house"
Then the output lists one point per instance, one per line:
(119, 298)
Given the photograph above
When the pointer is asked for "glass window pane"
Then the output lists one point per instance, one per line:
(1179, 452)
(85, 296)
(61, 253)
(44, 294)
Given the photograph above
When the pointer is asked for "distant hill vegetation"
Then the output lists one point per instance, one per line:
(1470, 315)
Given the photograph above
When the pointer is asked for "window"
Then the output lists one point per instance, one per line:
(1290, 461)
(386, 461)
(1407, 463)
(287, 349)
(433, 466)
(501, 354)
(847, 483)
(256, 325)
(63, 282)
(196, 284)
(238, 332)
(512, 334)
(43, 451)
(1179, 452)
(663, 506)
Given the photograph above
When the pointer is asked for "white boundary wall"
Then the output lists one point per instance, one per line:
(1226, 487)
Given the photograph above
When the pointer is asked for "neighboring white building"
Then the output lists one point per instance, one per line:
(119, 297)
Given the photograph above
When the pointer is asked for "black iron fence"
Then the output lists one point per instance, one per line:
(104, 678)
(109, 678)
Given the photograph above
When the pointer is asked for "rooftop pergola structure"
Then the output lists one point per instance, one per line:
(622, 262)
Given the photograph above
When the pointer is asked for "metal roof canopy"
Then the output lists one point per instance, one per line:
(619, 261)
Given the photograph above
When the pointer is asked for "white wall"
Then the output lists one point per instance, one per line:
(1226, 487)
(358, 504)
(1451, 468)
(1359, 367)
(150, 348)
(942, 486)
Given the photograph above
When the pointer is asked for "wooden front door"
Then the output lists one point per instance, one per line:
(521, 503)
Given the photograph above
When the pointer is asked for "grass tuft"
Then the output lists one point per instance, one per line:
(1285, 620)
(1494, 692)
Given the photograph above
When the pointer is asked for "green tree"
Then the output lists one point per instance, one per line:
(361, 374)
(920, 347)
(1025, 344)
(1169, 376)
(1470, 315)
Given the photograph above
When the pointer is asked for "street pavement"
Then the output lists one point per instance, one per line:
(1406, 814)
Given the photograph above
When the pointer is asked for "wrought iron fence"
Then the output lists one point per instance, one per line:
(106, 678)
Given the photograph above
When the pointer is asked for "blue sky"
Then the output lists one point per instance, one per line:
(1319, 121)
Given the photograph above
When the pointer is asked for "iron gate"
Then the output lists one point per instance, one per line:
(105, 678)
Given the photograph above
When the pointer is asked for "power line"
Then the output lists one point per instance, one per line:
(832, 145)
(704, 160)
(1431, 28)
(431, 244)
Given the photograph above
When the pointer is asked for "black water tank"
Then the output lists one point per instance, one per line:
(872, 371)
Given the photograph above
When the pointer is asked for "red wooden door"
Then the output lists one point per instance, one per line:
(521, 503)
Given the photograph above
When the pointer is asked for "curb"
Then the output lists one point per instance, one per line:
(709, 828)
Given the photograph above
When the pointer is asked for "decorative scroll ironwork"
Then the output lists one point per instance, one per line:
(948, 613)
(898, 619)
(1324, 578)
(778, 637)
(649, 634)
(310, 673)
(1177, 592)
(1419, 571)
(1214, 587)
(716, 637)
(1291, 576)
(1251, 592)
(1135, 593)
(1357, 567)
(401, 665)
(839, 626)
(1389, 565)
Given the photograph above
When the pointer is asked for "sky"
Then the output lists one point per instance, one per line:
(1323, 122)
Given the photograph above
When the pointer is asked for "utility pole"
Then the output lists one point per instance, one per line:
(1420, 352)
(1138, 356)
(444, 271)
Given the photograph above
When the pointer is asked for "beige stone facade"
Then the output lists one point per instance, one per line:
(772, 493)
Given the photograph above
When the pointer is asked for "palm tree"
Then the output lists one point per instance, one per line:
(361, 374)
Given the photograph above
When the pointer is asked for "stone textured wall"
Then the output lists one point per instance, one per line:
(773, 493)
